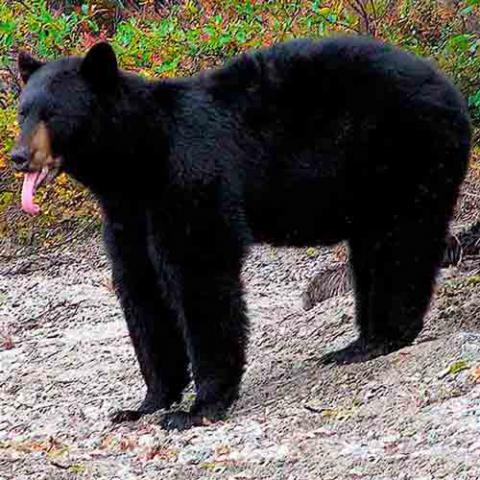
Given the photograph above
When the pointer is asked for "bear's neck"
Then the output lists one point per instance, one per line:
(130, 155)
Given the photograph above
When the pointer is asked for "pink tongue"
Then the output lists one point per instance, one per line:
(30, 181)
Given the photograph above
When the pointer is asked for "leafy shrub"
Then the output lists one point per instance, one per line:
(171, 38)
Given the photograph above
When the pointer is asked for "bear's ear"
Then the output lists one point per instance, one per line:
(100, 65)
(27, 65)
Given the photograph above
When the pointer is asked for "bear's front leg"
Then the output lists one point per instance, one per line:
(217, 333)
(152, 320)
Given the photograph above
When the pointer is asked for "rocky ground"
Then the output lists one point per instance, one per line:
(66, 362)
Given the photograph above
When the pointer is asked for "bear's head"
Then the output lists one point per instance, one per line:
(63, 115)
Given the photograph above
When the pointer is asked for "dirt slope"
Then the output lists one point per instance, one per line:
(66, 362)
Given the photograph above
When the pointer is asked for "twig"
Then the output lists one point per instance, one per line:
(59, 465)
(339, 24)
(360, 10)
(289, 22)
(374, 8)
(312, 409)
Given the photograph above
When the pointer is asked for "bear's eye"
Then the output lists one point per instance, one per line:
(47, 114)
(24, 110)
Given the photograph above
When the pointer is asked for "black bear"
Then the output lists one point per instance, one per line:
(303, 143)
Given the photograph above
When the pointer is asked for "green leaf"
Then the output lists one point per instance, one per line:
(467, 10)
(474, 100)
(458, 366)
(77, 468)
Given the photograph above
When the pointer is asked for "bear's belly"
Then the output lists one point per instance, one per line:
(300, 227)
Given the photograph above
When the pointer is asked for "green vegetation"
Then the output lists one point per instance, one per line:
(184, 37)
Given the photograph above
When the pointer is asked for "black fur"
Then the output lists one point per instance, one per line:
(304, 143)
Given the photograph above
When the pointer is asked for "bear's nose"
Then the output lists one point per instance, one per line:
(20, 157)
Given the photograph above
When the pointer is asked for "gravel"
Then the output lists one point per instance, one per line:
(66, 362)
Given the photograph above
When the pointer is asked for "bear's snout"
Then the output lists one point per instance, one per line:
(20, 157)
(33, 152)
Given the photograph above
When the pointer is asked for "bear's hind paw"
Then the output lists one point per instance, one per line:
(356, 352)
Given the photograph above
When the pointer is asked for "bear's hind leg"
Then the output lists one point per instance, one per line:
(394, 278)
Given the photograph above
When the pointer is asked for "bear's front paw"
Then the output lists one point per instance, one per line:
(151, 404)
(184, 420)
